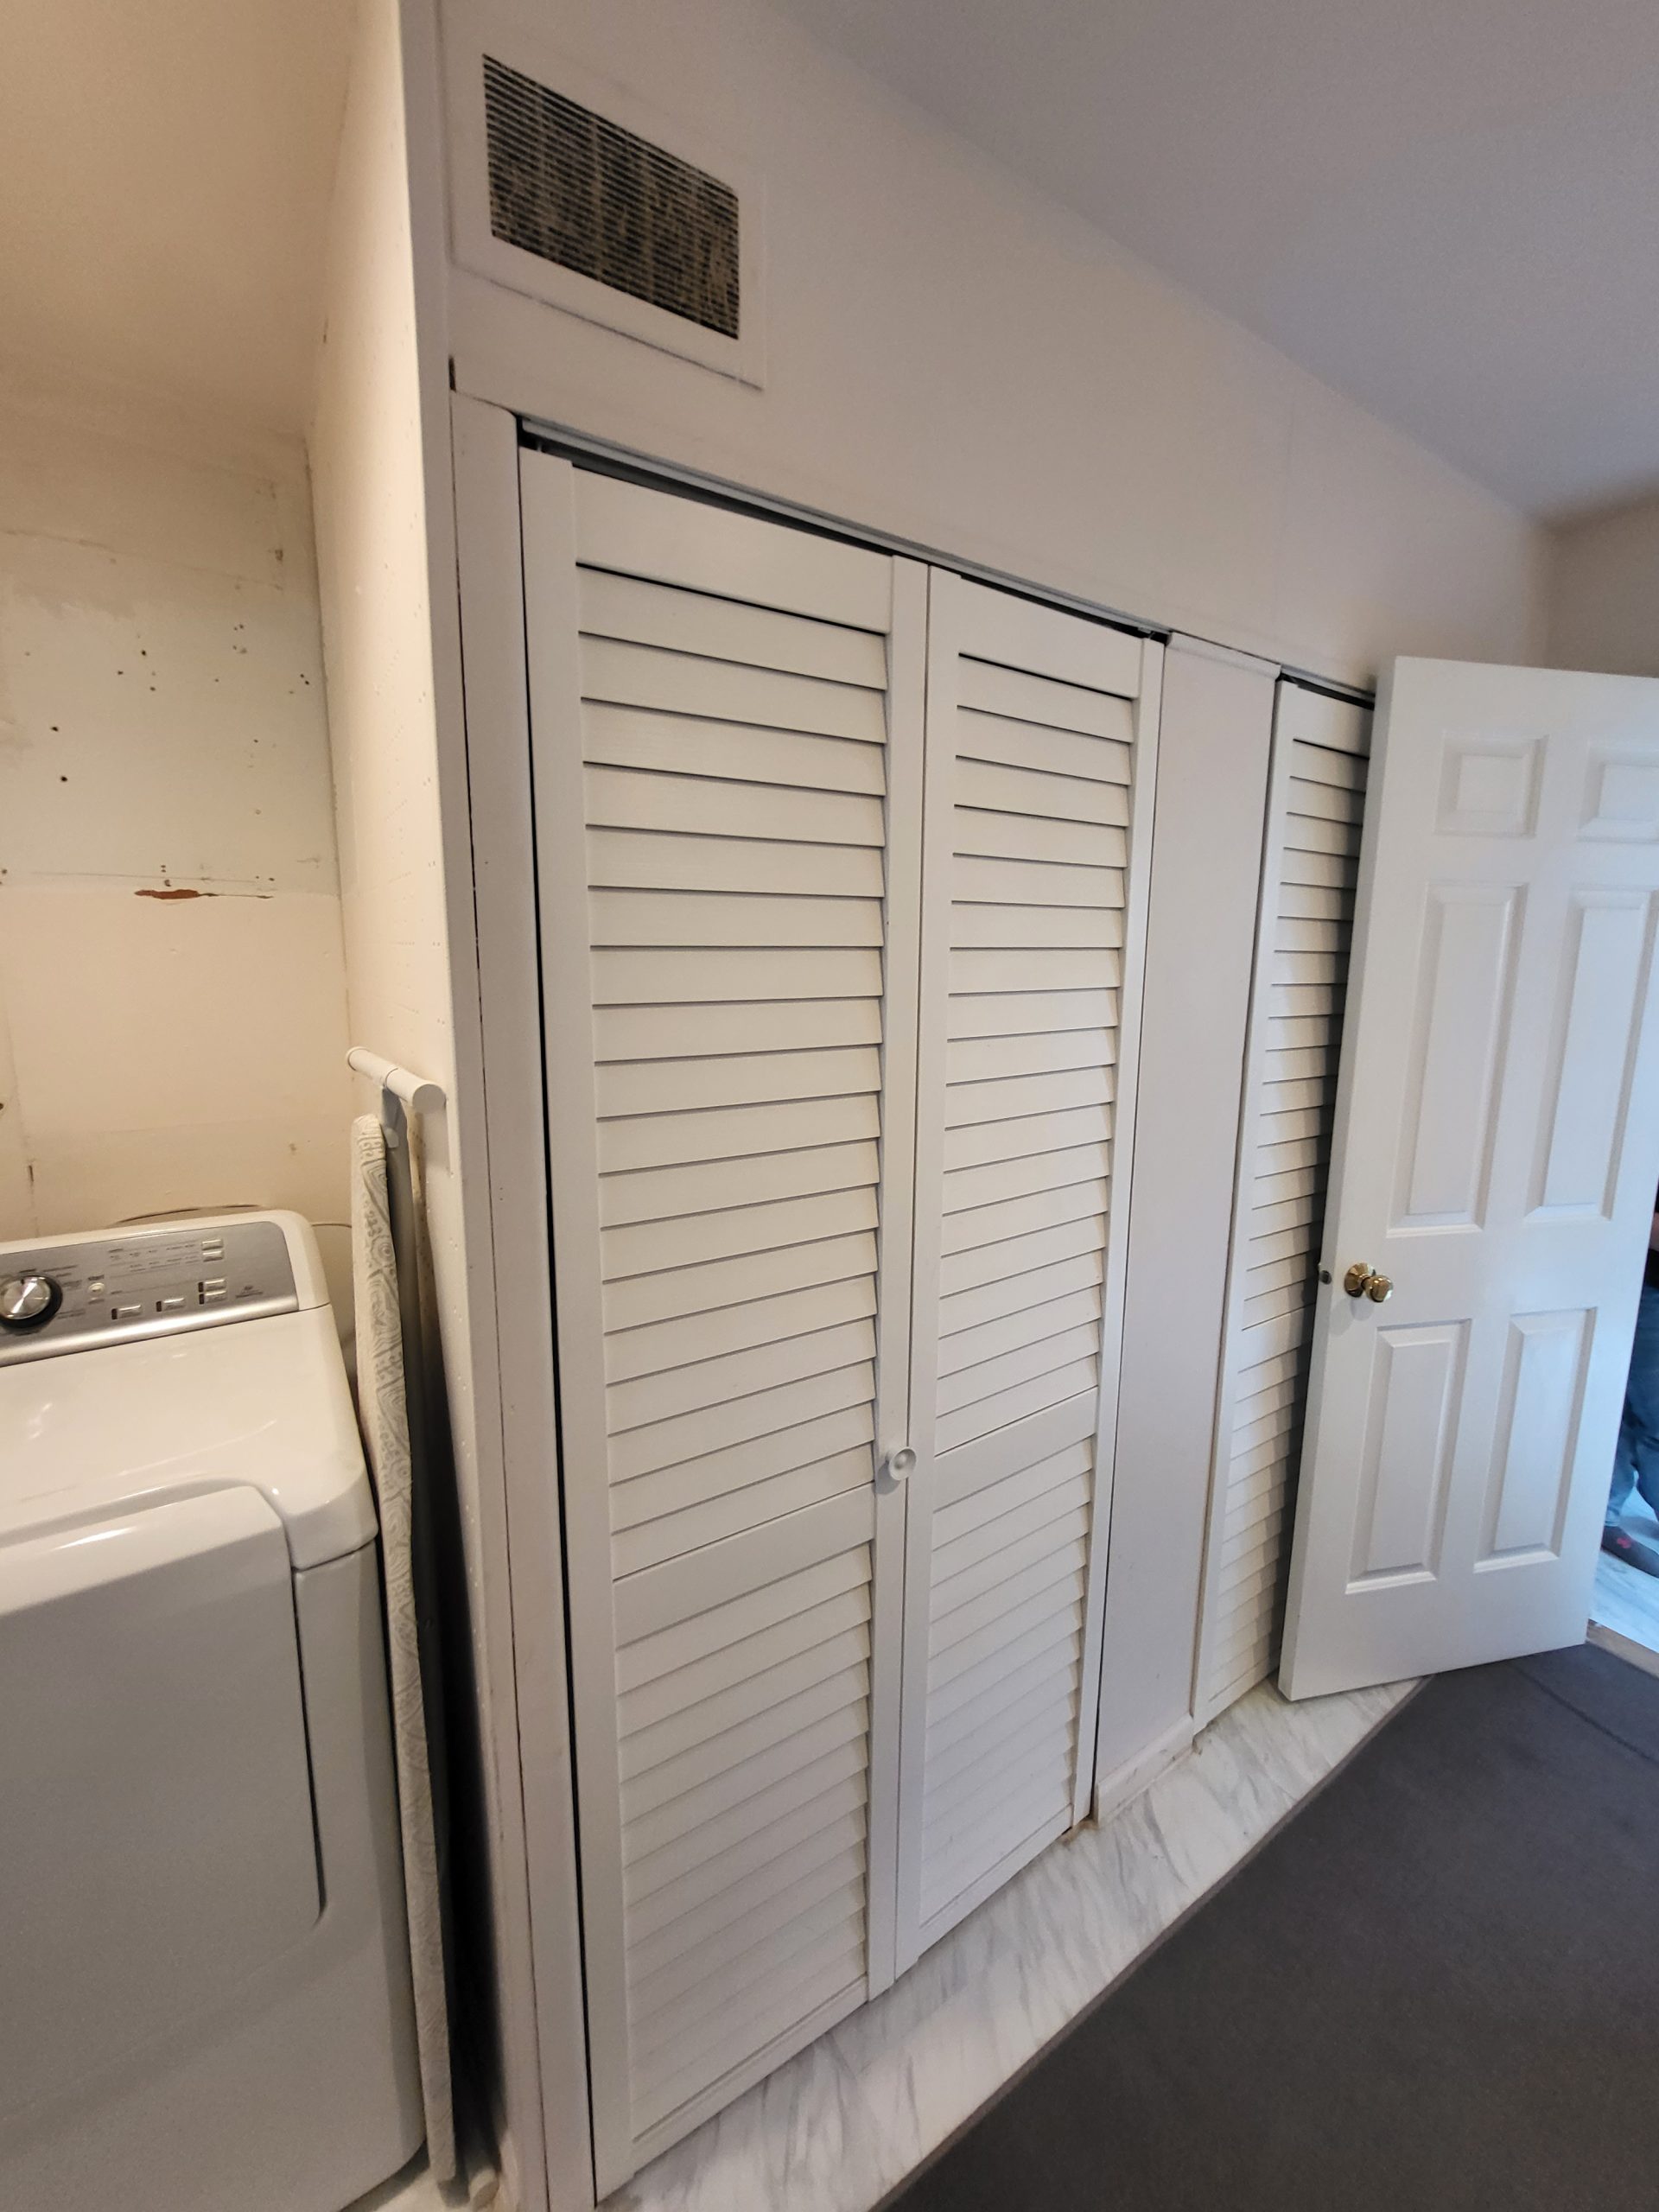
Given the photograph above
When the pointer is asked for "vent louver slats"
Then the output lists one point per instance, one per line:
(1302, 977)
(579, 191)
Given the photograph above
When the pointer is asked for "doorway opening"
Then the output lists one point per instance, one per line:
(1625, 1609)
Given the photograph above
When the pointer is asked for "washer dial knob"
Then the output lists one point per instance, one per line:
(27, 1302)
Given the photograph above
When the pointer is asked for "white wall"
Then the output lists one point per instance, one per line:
(172, 992)
(956, 359)
(381, 463)
(1604, 591)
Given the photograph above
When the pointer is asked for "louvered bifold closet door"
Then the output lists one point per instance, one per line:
(1311, 867)
(1038, 813)
(727, 748)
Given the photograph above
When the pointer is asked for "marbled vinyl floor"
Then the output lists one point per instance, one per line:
(838, 2126)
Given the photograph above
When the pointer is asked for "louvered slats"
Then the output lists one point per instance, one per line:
(819, 1716)
(738, 1130)
(715, 806)
(735, 753)
(1037, 839)
(1319, 780)
(741, 1753)
(1032, 738)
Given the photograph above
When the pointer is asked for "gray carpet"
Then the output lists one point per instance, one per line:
(1436, 1989)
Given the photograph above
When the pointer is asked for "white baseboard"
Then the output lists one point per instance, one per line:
(1125, 1783)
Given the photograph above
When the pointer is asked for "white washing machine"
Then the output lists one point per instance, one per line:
(204, 1972)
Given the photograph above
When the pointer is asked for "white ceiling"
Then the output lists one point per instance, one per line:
(1447, 208)
(165, 167)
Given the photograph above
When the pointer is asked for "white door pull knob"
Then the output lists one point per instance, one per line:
(900, 1463)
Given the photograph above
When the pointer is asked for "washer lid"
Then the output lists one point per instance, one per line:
(153, 1419)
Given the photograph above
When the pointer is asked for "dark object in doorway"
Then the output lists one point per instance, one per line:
(1623, 1546)
(1437, 1986)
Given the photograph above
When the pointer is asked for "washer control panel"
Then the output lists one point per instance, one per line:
(140, 1282)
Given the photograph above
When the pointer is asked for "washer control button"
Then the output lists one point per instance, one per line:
(126, 1312)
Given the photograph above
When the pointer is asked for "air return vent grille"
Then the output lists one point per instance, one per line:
(574, 189)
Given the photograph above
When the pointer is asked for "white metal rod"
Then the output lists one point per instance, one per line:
(420, 1095)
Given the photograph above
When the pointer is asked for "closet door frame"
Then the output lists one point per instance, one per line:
(534, 1796)
(1291, 697)
(551, 558)
(546, 2029)
(1145, 657)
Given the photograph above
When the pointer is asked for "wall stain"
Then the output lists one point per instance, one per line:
(170, 892)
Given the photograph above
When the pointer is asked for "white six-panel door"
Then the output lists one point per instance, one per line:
(1497, 1144)
(1041, 759)
(762, 1299)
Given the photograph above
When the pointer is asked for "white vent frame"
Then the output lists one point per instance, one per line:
(472, 29)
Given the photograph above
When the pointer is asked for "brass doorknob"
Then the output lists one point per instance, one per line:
(1361, 1281)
